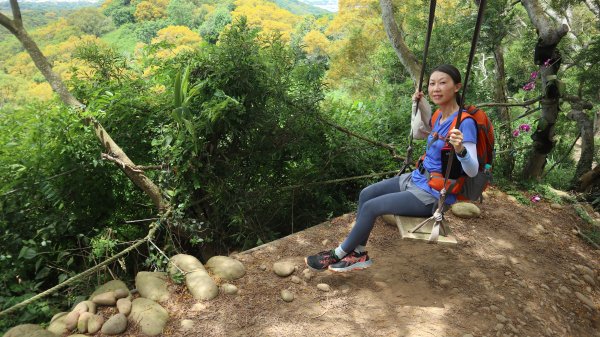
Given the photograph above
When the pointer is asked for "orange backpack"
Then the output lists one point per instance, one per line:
(465, 187)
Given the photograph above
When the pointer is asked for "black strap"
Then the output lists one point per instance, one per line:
(482, 4)
(432, 5)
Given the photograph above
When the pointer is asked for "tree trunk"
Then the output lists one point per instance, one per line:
(594, 6)
(407, 58)
(549, 36)
(506, 140)
(587, 143)
(15, 26)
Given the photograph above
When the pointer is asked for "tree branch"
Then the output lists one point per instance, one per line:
(390, 148)
(525, 103)
(407, 58)
(16, 11)
(548, 31)
(7, 23)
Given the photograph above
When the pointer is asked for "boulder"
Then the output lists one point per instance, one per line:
(283, 268)
(465, 210)
(201, 285)
(57, 324)
(225, 267)
(110, 286)
(95, 324)
(124, 306)
(229, 289)
(41, 333)
(187, 263)
(115, 325)
(150, 316)
(22, 330)
(71, 320)
(82, 323)
(107, 299)
(152, 285)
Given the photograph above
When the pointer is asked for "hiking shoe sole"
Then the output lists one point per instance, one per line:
(356, 266)
(311, 268)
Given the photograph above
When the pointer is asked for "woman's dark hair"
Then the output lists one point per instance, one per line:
(454, 74)
(450, 70)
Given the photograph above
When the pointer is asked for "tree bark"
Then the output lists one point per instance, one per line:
(594, 6)
(406, 56)
(506, 141)
(15, 26)
(586, 126)
(549, 35)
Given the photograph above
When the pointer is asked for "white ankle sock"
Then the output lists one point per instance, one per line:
(360, 249)
(339, 252)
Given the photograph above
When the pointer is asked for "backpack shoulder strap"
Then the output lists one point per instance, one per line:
(434, 118)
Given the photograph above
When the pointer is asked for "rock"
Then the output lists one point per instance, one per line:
(323, 287)
(109, 286)
(307, 274)
(545, 286)
(465, 210)
(296, 279)
(197, 280)
(22, 330)
(187, 263)
(262, 267)
(71, 320)
(507, 273)
(82, 322)
(41, 333)
(229, 289)
(444, 282)
(564, 290)
(556, 206)
(115, 325)
(95, 324)
(91, 306)
(468, 335)
(325, 242)
(199, 307)
(81, 307)
(151, 316)
(186, 325)
(201, 285)
(499, 327)
(124, 306)
(107, 299)
(511, 198)
(587, 278)
(585, 270)
(225, 267)
(121, 293)
(283, 268)
(152, 285)
(57, 324)
(586, 300)
(501, 318)
(287, 295)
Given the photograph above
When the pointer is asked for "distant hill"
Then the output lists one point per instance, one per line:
(301, 7)
(329, 5)
(49, 5)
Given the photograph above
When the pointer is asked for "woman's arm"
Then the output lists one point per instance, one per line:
(469, 162)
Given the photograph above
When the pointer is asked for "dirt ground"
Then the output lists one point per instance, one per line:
(514, 272)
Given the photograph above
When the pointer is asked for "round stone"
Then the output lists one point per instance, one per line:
(283, 268)
(229, 289)
(287, 295)
(324, 287)
(465, 210)
(115, 325)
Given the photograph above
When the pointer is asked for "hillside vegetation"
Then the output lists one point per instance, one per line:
(230, 106)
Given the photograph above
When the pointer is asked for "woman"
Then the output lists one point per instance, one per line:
(409, 194)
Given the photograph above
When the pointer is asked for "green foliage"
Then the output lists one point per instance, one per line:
(123, 39)
(214, 24)
(185, 13)
(91, 21)
(146, 31)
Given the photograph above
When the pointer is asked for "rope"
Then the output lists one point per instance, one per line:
(153, 228)
(333, 181)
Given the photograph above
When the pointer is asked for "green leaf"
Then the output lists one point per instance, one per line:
(27, 253)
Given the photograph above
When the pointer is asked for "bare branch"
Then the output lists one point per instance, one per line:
(389, 147)
(525, 103)
(7, 23)
(16, 11)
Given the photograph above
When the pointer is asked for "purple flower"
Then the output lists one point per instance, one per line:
(533, 76)
(535, 198)
(525, 127)
(547, 63)
(516, 133)
(529, 86)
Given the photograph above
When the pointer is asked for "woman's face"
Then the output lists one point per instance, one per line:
(442, 89)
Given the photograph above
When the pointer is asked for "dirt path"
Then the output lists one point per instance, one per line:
(514, 272)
